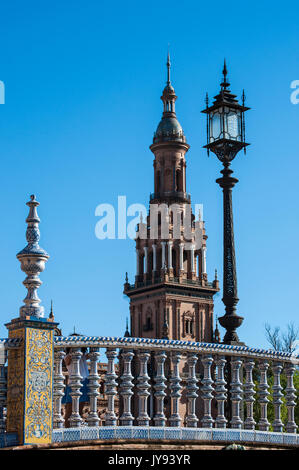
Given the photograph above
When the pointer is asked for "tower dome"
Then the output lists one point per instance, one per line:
(169, 128)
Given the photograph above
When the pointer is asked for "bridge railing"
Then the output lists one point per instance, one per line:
(3, 384)
(176, 386)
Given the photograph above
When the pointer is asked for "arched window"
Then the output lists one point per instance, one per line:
(177, 180)
(148, 326)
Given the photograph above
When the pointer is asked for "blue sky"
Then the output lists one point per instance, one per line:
(83, 82)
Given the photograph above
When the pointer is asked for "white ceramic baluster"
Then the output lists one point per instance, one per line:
(75, 385)
(236, 393)
(126, 387)
(277, 395)
(207, 391)
(220, 392)
(175, 390)
(93, 385)
(110, 387)
(58, 389)
(290, 398)
(263, 396)
(249, 393)
(143, 387)
(191, 389)
(159, 387)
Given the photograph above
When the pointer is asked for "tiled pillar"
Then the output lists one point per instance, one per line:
(30, 381)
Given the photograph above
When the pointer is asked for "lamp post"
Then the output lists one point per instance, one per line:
(225, 138)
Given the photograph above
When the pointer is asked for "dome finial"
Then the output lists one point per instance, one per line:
(168, 65)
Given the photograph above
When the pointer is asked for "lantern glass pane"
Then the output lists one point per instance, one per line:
(215, 129)
(232, 124)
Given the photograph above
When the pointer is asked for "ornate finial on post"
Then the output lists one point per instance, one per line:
(32, 259)
(127, 333)
(51, 314)
(217, 337)
(216, 282)
(126, 278)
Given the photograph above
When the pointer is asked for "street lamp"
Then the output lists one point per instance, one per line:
(225, 138)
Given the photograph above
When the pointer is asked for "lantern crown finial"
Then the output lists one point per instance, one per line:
(224, 83)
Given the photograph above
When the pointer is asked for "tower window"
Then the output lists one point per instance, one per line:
(178, 182)
(189, 327)
(148, 324)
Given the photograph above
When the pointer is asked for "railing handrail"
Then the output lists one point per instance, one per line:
(215, 348)
(10, 342)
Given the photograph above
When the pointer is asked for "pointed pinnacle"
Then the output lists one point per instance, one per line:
(225, 83)
(168, 65)
(224, 71)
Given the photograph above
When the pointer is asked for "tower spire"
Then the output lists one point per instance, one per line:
(32, 259)
(169, 128)
(168, 65)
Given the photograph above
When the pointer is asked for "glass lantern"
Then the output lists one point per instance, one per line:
(225, 123)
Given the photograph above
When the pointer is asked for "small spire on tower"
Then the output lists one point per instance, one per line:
(168, 65)
(51, 314)
(217, 337)
(127, 333)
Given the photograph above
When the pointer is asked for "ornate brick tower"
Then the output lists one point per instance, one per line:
(171, 297)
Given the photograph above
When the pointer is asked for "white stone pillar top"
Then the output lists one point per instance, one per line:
(163, 254)
(145, 248)
(182, 256)
(154, 257)
(170, 254)
(137, 262)
(192, 258)
(204, 259)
